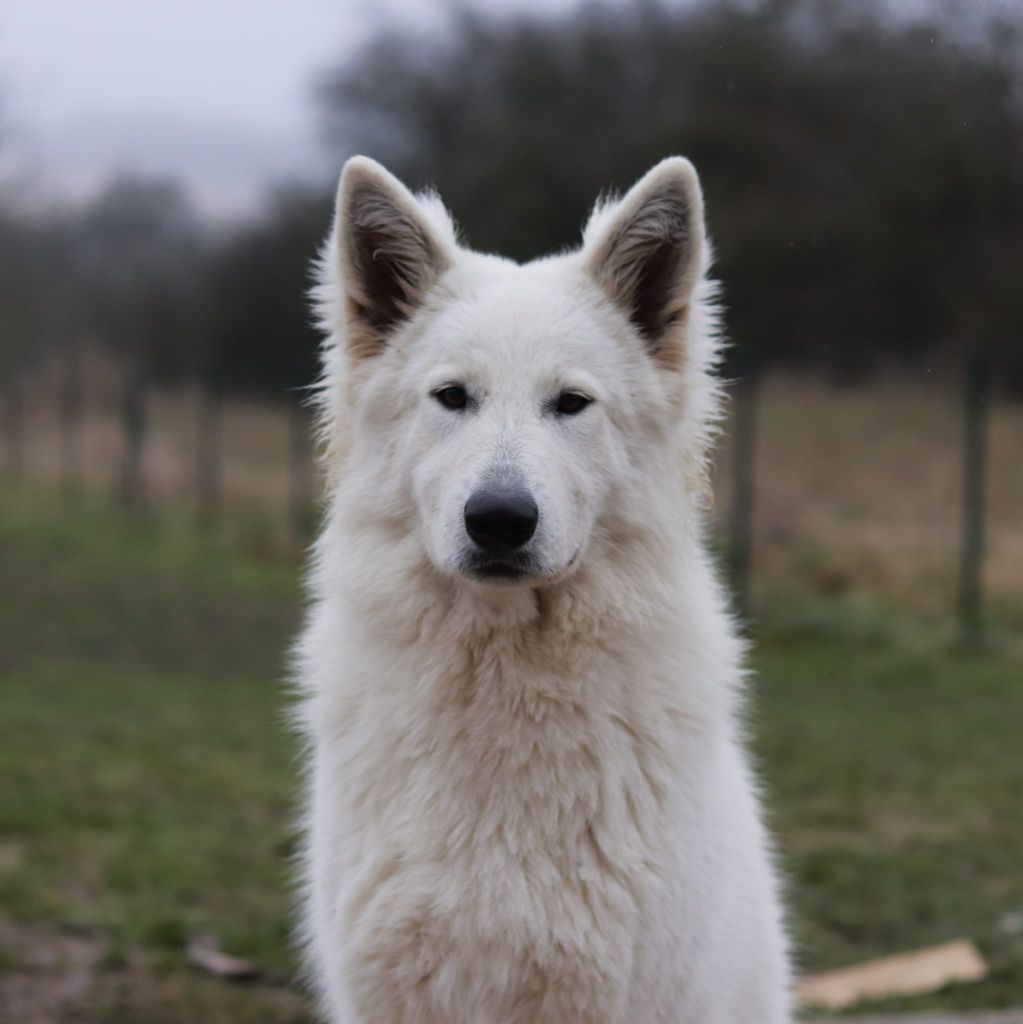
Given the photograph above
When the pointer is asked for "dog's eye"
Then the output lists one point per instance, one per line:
(571, 402)
(452, 397)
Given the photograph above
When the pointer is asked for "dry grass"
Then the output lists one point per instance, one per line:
(862, 489)
(255, 437)
(857, 489)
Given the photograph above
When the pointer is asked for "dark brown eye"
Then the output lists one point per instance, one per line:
(571, 402)
(452, 397)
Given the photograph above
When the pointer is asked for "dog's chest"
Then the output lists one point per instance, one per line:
(527, 832)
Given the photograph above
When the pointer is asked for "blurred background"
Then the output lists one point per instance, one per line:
(166, 176)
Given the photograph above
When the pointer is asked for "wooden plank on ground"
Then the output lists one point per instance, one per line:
(924, 970)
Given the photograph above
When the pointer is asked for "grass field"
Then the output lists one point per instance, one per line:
(148, 778)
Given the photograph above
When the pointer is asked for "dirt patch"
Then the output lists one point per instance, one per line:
(58, 978)
(44, 974)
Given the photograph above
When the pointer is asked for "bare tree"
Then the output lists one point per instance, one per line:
(864, 167)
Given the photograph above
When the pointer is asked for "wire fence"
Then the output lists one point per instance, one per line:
(82, 430)
(973, 460)
(907, 487)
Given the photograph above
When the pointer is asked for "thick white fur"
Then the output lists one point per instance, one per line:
(529, 803)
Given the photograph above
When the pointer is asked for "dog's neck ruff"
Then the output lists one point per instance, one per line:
(548, 640)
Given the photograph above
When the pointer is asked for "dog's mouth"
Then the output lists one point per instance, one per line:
(513, 569)
(500, 570)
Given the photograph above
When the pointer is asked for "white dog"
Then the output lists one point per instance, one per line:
(529, 800)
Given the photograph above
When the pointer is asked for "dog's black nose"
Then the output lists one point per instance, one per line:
(500, 521)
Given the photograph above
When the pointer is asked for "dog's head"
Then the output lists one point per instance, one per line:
(505, 419)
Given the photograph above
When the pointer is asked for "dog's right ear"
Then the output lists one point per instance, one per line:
(389, 253)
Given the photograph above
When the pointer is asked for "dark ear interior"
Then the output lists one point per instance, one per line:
(646, 253)
(655, 302)
(392, 259)
(646, 261)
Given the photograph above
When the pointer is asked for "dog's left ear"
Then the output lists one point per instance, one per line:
(647, 253)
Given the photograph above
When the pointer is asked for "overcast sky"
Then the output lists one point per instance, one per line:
(216, 92)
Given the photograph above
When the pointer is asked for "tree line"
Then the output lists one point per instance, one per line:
(863, 169)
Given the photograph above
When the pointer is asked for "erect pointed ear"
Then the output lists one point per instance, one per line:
(646, 252)
(390, 253)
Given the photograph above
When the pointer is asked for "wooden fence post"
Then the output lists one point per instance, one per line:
(72, 403)
(975, 409)
(14, 417)
(210, 454)
(133, 413)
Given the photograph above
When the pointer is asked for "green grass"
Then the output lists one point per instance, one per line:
(148, 777)
(896, 776)
(147, 772)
